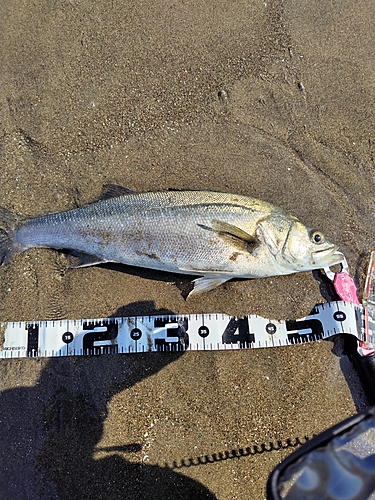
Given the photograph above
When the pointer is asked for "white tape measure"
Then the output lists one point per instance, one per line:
(168, 333)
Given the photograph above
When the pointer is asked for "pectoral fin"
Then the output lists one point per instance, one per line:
(233, 235)
(207, 283)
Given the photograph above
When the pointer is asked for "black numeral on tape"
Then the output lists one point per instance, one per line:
(107, 338)
(173, 338)
(237, 331)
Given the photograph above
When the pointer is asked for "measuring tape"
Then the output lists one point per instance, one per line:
(199, 332)
(171, 333)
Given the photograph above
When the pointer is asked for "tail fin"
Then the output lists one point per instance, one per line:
(9, 223)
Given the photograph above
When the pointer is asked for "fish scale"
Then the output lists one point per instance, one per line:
(217, 236)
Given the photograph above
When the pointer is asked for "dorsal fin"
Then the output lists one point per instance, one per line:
(109, 191)
(113, 191)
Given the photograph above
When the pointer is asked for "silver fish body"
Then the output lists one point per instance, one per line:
(217, 236)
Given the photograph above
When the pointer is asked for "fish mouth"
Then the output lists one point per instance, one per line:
(328, 257)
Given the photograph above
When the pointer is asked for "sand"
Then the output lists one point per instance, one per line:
(267, 99)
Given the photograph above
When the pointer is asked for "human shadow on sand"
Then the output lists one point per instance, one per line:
(49, 432)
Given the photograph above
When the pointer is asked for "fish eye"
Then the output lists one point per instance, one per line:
(316, 237)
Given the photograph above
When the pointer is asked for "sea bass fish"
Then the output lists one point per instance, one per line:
(217, 236)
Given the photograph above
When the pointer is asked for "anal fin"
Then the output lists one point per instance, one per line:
(82, 259)
(207, 283)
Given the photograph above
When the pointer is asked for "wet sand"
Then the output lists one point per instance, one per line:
(268, 99)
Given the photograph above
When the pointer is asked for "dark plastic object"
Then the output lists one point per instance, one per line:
(319, 441)
(365, 367)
